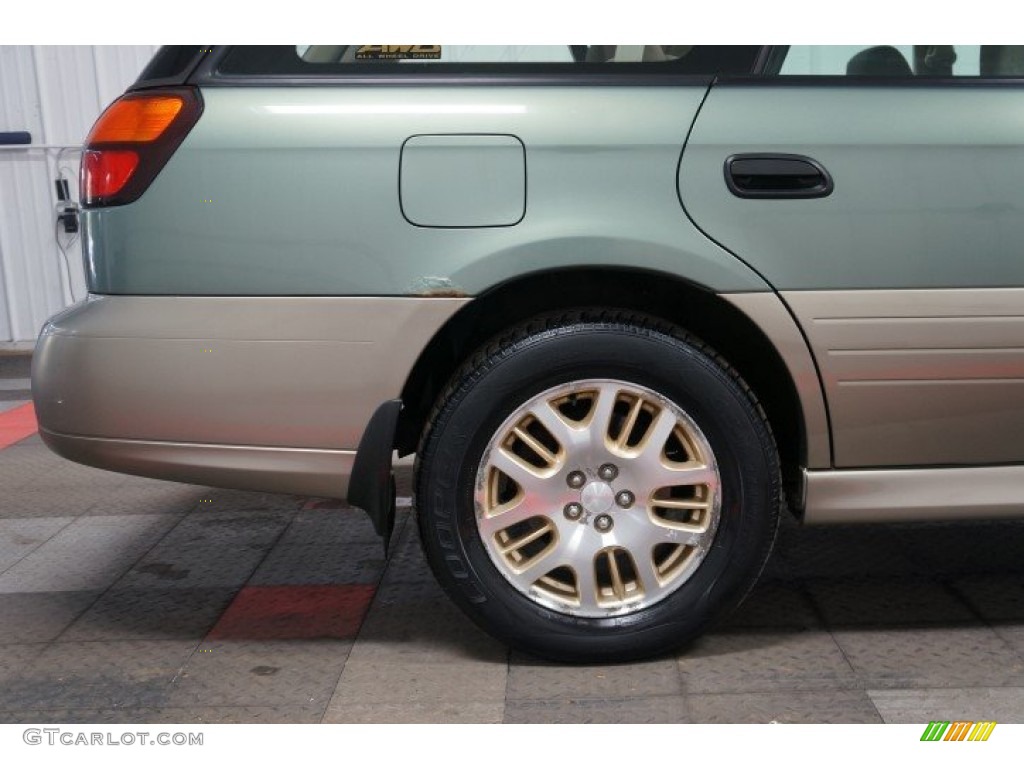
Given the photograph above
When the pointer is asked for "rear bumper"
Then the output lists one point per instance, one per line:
(279, 470)
(268, 394)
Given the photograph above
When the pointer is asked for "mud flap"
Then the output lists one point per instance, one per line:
(372, 486)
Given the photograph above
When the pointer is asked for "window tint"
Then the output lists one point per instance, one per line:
(314, 60)
(903, 60)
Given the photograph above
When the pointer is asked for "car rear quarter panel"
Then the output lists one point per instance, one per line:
(295, 191)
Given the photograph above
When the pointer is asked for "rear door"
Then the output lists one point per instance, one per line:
(878, 189)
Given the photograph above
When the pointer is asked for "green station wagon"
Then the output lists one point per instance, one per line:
(623, 303)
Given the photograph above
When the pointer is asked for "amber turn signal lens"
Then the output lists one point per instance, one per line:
(106, 171)
(140, 119)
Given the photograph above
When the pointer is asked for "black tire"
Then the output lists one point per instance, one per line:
(585, 345)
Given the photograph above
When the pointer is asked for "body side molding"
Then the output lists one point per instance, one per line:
(913, 495)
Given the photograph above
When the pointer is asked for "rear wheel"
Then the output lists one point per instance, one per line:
(597, 487)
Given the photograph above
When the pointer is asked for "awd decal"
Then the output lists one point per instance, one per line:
(961, 730)
(397, 52)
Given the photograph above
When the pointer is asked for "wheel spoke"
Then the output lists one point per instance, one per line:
(618, 585)
(522, 541)
(646, 572)
(542, 564)
(640, 534)
(667, 476)
(523, 474)
(657, 433)
(634, 412)
(586, 586)
(504, 516)
(680, 503)
(536, 446)
(553, 422)
(601, 412)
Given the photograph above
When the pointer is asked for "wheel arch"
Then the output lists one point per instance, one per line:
(792, 402)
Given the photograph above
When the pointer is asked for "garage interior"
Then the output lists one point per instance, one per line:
(124, 599)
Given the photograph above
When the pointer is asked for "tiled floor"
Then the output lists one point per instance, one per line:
(131, 600)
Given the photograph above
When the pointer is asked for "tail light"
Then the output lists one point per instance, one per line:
(132, 141)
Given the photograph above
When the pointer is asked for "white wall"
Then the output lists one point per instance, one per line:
(55, 93)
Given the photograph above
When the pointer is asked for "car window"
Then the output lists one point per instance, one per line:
(903, 60)
(305, 60)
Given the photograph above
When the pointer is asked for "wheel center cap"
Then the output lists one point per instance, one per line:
(597, 497)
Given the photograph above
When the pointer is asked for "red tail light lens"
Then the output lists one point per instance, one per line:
(132, 141)
(105, 172)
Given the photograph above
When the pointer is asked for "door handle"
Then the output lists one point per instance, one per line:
(777, 177)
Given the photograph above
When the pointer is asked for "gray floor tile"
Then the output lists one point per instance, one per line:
(209, 549)
(922, 705)
(97, 675)
(406, 680)
(15, 657)
(415, 618)
(151, 614)
(416, 712)
(985, 547)
(647, 709)
(843, 551)
(332, 523)
(930, 657)
(190, 715)
(223, 500)
(997, 597)
(36, 466)
(21, 536)
(40, 500)
(404, 477)
(32, 440)
(299, 673)
(785, 707)
(406, 561)
(1013, 636)
(38, 617)
(773, 604)
(164, 499)
(353, 563)
(860, 602)
(91, 553)
(764, 662)
(536, 680)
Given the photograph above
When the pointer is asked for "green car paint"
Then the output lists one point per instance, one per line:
(295, 191)
(927, 184)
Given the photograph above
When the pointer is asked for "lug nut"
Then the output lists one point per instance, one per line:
(608, 472)
(603, 523)
(576, 479)
(573, 511)
(624, 499)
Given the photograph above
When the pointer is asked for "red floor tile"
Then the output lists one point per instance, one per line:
(17, 424)
(295, 613)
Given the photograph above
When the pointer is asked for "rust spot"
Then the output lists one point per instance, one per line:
(431, 287)
(444, 293)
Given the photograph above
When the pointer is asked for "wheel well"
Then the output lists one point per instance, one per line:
(694, 309)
